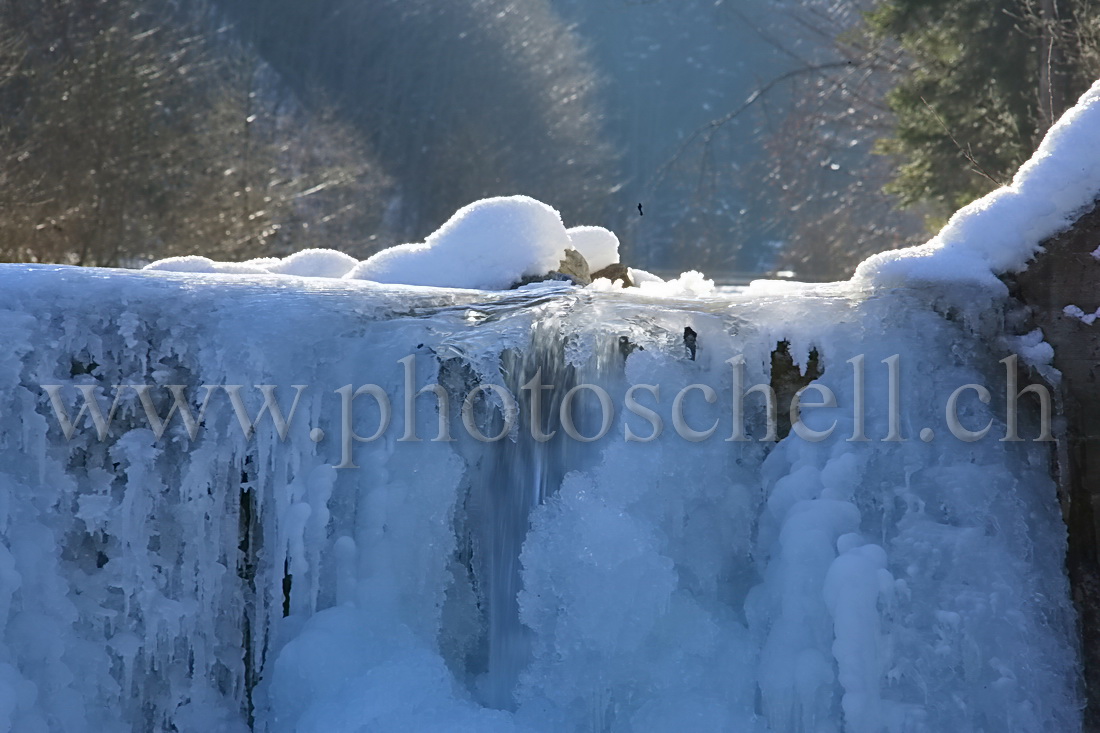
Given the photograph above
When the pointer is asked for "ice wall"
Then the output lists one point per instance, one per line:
(227, 583)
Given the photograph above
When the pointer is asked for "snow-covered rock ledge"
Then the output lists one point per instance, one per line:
(493, 244)
(1002, 232)
(496, 243)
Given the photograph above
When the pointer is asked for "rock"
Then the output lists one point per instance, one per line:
(617, 271)
(787, 379)
(691, 341)
(1064, 274)
(574, 269)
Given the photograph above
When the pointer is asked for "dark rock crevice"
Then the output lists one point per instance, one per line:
(1066, 273)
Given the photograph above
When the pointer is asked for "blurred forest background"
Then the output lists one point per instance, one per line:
(759, 135)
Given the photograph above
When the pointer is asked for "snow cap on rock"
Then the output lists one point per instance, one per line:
(488, 245)
(597, 245)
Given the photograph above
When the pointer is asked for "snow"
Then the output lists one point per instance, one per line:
(306, 263)
(1074, 311)
(488, 245)
(1034, 352)
(598, 246)
(196, 264)
(1002, 232)
(690, 284)
(314, 263)
(1033, 349)
(640, 277)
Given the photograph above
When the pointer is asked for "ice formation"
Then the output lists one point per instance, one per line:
(669, 585)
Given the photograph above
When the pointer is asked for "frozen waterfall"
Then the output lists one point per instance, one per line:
(235, 582)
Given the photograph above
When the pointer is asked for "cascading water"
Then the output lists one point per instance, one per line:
(511, 478)
(689, 582)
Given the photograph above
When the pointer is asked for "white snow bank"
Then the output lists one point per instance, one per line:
(1001, 232)
(598, 246)
(690, 284)
(488, 245)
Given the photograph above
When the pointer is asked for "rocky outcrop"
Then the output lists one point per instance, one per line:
(573, 268)
(617, 271)
(1066, 274)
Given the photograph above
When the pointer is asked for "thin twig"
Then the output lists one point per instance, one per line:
(966, 152)
(707, 131)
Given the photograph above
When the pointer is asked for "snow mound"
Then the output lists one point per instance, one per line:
(487, 245)
(690, 284)
(205, 265)
(307, 263)
(598, 246)
(1001, 232)
(314, 263)
(640, 277)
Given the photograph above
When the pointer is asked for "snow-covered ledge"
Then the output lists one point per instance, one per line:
(1001, 233)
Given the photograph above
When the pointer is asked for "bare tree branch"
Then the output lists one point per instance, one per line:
(965, 152)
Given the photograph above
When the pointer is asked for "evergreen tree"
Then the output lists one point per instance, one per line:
(984, 82)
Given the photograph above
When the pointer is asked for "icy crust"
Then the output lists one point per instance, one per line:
(1001, 232)
(665, 586)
